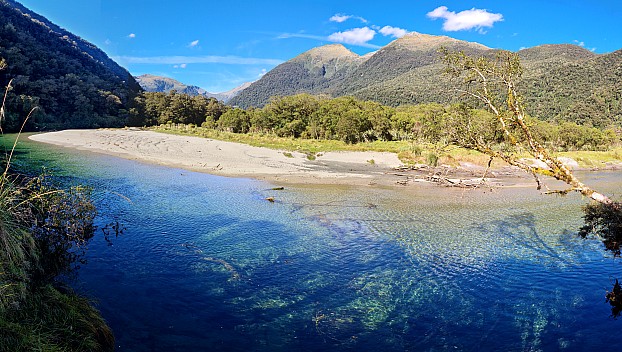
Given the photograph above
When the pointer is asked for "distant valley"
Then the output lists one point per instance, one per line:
(151, 83)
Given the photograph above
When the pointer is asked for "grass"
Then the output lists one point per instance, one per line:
(53, 321)
(35, 316)
(408, 152)
(594, 158)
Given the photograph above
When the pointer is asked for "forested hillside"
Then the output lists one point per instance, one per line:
(560, 82)
(314, 71)
(73, 83)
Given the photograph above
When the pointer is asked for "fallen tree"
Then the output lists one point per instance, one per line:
(491, 82)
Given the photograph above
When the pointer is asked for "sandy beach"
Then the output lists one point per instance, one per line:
(231, 159)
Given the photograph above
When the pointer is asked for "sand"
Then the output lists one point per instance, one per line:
(229, 158)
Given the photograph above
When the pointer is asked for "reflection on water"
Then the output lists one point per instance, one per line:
(206, 263)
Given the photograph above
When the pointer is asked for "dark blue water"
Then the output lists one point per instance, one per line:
(206, 263)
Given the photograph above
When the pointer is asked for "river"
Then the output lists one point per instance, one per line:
(206, 263)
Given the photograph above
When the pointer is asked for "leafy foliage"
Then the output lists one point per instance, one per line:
(605, 222)
(352, 120)
(74, 84)
(44, 232)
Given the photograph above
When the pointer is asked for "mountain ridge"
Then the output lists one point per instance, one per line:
(558, 81)
(153, 83)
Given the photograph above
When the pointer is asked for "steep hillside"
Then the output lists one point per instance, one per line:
(410, 53)
(336, 71)
(583, 88)
(562, 82)
(314, 71)
(74, 83)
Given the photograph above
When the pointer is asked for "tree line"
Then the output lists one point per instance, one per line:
(350, 120)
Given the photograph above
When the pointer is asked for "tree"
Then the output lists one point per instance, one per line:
(492, 83)
(291, 114)
(235, 120)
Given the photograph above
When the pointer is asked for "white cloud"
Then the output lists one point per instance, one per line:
(210, 59)
(193, 43)
(356, 36)
(131, 35)
(339, 18)
(107, 42)
(465, 20)
(262, 73)
(394, 32)
(582, 44)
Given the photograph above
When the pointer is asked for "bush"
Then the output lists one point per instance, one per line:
(605, 222)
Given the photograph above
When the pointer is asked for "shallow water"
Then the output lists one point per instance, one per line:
(206, 263)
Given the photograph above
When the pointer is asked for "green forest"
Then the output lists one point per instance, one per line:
(71, 82)
(349, 120)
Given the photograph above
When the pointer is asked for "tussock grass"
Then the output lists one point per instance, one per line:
(40, 230)
(53, 321)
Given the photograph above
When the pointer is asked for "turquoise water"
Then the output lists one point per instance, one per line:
(205, 263)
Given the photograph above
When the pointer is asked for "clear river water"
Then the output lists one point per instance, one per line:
(205, 263)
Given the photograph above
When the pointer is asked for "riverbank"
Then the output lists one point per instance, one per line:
(229, 158)
(277, 166)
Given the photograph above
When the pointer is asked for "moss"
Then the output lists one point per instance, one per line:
(49, 320)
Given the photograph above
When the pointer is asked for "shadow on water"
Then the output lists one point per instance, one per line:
(519, 231)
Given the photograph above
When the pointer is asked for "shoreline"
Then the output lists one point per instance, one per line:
(232, 159)
(229, 159)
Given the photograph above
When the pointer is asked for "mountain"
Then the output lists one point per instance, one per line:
(230, 94)
(151, 83)
(74, 84)
(583, 87)
(314, 71)
(336, 71)
(560, 82)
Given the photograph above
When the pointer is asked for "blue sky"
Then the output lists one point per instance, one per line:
(219, 45)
